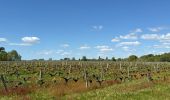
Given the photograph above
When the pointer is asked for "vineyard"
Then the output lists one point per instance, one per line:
(56, 79)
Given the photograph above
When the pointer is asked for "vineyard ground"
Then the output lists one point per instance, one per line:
(134, 90)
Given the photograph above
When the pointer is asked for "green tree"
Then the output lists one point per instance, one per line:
(2, 49)
(119, 59)
(13, 56)
(67, 59)
(165, 57)
(113, 59)
(84, 58)
(73, 59)
(132, 58)
(149, 58)
(107, 58)
(3, 56)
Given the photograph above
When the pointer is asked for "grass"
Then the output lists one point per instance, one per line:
(133, 90)
(136, 90)
(140, 89)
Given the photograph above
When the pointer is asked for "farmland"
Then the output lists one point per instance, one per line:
(83, 79)
(84, 50)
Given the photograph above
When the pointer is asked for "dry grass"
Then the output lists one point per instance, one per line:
(61, 89)
(19, 90)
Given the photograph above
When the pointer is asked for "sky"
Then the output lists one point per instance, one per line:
(75, 28)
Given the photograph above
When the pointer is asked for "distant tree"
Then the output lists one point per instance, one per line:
(149, 58)
(107, 58)
(50, 59)
(61, 59)
(3, 55)
(66, 58)
(119, 59)
(73, 59)
(13, 56)
(42, 59)
(84, 58)
(99, 58)
(132, 58)
(113, 59)
(165, 57)
(2, 49)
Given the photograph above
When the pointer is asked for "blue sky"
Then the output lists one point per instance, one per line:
(73, 28)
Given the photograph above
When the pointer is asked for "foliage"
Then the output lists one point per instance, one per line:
(57, 79)
(113, 59)
(156, 58)
(84, 58)
(9, 56)
(132, 58)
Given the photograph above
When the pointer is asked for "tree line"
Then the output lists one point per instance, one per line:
(14, 56)
(9, 56)
(145, 58)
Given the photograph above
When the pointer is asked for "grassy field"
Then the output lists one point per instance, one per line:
(130, 83)
(134, 90)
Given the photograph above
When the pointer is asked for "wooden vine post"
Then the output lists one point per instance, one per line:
(120, 66)
(69, 69)
(85, 76)
(102, 71)
(4, 83)
(128, 70)
(107, 66)
(40, 74)
(86, 79)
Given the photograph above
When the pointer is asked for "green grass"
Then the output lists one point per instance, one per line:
(136, 90)
(140, 89)
(133, 90)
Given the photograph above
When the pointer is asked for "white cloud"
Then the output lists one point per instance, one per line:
(156, 29)
(97, 28)
(65, 45)
(66, 53)
(19, 44)
(159, 37)
(46, 52)
(162, 46)
(129, 36)
(27, 41)
(101, 46)
(59, 51)
(126, 48)
(104, 48)
(53, 52)
(165, 37)
(166, 43)
(30, 40)
(132, 34)
(116, 39)
(135, 43)
(3, 40)
(63, 53)
(138, 30)
(84, 47)
(150, 36)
